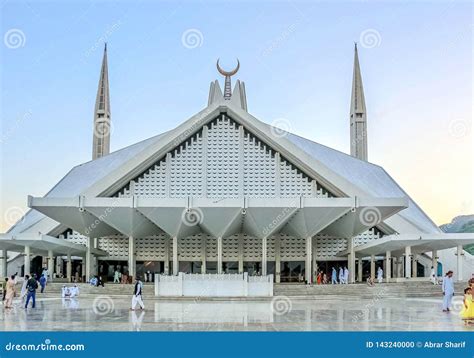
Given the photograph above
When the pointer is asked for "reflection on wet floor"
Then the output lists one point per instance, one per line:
(104, 313)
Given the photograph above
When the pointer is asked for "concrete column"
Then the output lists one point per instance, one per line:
(219, 255)
(309, 260)
(372, 267)
(69, 268)
(27, 260)
(167, 256)
(460, 254)
(88, 258)
(414, 267)
(264, 256)
(277, 259)
(131, 257)
(4, 263)
(388, 266)
(59, 266)
(351, 260)
(400, 267)
(50, 265)
(203, 254)
(241, 253)
(359, 267)
(434, 261)
(408, 262)
(175, 256)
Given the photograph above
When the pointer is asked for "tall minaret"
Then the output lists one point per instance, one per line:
(101, 140)
(358, 114)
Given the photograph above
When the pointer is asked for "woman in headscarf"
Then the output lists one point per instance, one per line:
(11, 291)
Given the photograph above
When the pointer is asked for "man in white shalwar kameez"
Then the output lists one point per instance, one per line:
(380, 275)
(346, 275)
(23, 288)
(433, 276)
(137, 295)
(341, 275)
(448, 290)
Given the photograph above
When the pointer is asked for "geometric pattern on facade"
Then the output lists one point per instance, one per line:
(219, 150)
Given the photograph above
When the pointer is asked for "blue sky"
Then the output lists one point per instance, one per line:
(296, 59)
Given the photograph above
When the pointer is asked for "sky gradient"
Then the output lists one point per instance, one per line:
(296, 60)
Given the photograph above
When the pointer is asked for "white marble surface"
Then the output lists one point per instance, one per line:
(104, 313)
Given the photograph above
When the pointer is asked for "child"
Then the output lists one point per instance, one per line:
(467, 313)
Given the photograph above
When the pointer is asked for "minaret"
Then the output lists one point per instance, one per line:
(358, 113)
(101, 139)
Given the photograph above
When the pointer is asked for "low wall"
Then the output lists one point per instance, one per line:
(213, 285)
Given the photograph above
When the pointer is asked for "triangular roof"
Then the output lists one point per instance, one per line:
(339, 172)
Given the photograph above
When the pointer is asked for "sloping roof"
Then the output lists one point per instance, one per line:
(367, 177)
(83, 176)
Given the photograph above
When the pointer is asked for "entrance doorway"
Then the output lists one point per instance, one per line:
(292, 271)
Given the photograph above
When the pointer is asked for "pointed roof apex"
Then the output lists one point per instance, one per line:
(357, 100)
(105, 46)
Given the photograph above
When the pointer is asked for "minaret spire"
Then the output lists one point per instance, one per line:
(102, 118)
(358, 113)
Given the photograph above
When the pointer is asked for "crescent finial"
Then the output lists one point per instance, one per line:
(228, 73)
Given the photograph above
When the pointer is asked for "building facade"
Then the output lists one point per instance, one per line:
(227, 193)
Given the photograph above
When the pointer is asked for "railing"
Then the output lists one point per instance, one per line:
(213, 285)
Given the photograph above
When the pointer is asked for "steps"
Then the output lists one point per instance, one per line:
(386, 290)
(296, 291)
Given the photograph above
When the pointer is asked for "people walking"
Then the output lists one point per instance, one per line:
(137, 295)
(346, 275)
(341, 275)
(379, 275)
(117, 276)
(42, 281)
(31, 287)
(23, 288)
(433, 276)
(334, 276)
(10, 292)
(467, 312)
(448, 290)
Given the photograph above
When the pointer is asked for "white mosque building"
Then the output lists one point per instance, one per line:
(226, 193)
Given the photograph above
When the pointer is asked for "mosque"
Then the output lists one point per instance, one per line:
(226, 193)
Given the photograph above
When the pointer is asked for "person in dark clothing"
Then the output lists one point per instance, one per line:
(31, 287)
(99, 281)
(137, 295)
(5, 289)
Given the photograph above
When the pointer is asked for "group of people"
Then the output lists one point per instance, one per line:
(96, 281)
(467, 311)
(28, 290)
(69, 292)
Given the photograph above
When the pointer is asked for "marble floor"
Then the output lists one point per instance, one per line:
(104, 313)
